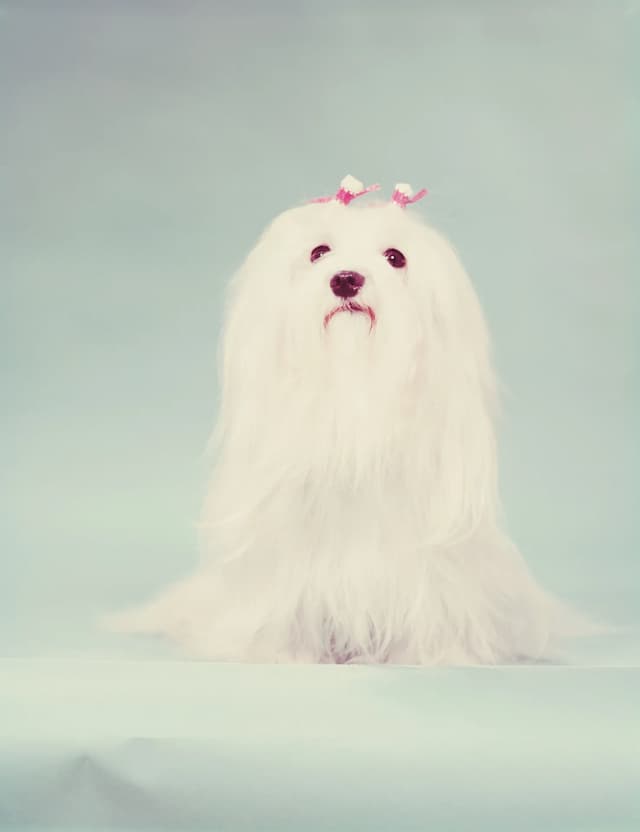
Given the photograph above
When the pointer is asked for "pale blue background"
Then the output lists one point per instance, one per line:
(143, 146)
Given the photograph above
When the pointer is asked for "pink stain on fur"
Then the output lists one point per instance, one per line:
(353, 308)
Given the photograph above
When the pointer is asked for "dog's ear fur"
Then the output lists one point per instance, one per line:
(460, 402)
(247, 345)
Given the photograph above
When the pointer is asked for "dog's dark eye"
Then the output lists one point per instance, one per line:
(395, 258)
(318, 252)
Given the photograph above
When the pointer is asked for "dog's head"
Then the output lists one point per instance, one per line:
(371, 278)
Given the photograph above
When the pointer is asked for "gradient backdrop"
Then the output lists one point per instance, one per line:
(144, 145)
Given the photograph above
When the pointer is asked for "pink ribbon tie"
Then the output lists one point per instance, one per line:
(349, 190)
(402, 198)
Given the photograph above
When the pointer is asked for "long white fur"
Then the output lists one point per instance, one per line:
(353, 513)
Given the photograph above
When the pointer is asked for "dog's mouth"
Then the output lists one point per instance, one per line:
(353, 308)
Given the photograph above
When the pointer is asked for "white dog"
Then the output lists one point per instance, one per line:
(353, 511)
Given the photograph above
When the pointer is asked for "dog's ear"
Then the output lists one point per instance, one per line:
(461, 397)
(245, 347)
(248, 355)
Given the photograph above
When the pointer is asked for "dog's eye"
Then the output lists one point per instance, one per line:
(395, 258)
(318, 252)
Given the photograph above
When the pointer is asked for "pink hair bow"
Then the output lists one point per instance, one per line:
(403, 195)
(350, 188)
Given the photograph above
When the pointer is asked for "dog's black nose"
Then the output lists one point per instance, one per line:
(346, 284)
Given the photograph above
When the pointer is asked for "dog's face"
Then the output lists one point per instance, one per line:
(353, 263)
(368, 281)
(345, 266)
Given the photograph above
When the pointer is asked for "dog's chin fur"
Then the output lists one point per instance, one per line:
(353, 513)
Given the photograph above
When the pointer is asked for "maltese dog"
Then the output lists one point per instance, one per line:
(352, 515)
